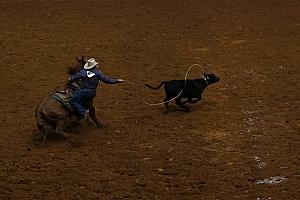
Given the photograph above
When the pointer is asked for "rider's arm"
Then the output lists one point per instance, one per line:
(106, 79)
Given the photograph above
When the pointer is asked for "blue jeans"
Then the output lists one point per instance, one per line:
(80, 100)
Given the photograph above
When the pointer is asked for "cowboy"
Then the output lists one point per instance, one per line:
(90, 76)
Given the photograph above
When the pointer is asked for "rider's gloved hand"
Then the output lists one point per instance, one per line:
(120, 80)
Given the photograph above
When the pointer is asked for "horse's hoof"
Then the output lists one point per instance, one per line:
(64, 136)
(100, 126)
(44, 139)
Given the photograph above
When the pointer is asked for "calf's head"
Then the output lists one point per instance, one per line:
(211, 78)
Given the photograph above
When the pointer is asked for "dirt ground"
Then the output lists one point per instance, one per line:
(240, 142)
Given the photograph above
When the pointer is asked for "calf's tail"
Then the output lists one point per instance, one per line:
(156, 88)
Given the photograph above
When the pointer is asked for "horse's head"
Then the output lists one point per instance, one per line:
(78, 66)
(73, 70)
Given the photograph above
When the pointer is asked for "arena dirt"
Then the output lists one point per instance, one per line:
(240, 142)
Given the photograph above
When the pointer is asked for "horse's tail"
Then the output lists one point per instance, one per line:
(156, 88)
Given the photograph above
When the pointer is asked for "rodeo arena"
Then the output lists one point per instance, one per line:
(157, 99)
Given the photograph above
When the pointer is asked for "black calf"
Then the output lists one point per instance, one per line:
(191, 89)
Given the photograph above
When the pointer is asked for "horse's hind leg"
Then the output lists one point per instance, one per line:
(60, 128)
(45, 135)
(45, 129)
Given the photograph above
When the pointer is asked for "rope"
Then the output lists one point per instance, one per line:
(129, 81)
(156, 104)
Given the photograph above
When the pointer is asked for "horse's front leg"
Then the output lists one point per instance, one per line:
(92, 114)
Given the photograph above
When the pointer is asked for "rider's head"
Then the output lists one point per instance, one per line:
(91, 63)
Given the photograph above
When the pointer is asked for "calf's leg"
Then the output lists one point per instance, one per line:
(166, 102)
(194, 101)
(181, 104)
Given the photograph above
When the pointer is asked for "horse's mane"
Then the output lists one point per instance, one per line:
(72, 70)
(76, 68)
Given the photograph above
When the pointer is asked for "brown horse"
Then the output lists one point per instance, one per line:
(52, 115)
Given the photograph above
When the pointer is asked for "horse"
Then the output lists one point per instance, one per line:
(52, 114)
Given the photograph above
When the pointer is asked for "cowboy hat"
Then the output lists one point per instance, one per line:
(90, 63)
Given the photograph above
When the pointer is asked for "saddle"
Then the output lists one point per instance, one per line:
(64, 97)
